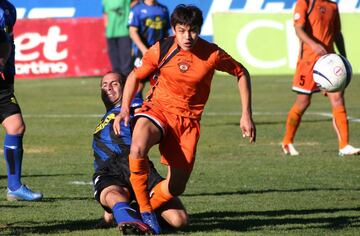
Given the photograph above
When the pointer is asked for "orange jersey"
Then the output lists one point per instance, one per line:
(321, 21)
(184, 82)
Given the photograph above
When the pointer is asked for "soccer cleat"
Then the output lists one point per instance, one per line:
(150, 219)
(24, 193)
(349, 150)
(289, 149)
(135, 228)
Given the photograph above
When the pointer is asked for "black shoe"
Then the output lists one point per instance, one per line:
(135, 228)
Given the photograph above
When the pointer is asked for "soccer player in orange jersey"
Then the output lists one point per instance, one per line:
(171, 113)
(317, 24)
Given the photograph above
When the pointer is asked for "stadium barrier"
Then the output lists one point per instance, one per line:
(52, 48)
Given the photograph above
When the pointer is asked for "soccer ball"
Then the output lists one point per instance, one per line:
(332, 72)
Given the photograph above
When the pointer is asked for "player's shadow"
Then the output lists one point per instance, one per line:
(209, 221)
(284, 219)
(32, 227)
(262, 191)
(67, 198)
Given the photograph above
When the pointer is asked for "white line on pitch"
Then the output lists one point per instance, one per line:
(80, 183)
(322, 114)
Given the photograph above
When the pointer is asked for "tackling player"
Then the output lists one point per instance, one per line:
(317, 24)
(111, 179)
(172, 111)
(10, 113)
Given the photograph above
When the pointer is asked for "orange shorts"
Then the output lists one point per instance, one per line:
(180, 136)
(303, 79)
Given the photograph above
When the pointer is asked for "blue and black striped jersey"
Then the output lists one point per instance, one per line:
(105, 143)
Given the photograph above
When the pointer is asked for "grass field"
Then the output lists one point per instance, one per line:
(236, 188)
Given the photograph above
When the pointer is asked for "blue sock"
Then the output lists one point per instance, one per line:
(124, 213)
(13, 153)
(139, 95)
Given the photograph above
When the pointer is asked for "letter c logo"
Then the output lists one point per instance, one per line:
(243, 49)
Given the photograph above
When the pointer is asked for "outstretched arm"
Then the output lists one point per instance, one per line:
(247, 125)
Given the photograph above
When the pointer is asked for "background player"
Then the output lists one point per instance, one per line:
(171, 113)
(317, 24)
(149, 22)
(116, 14)
(111, 179)
(10, 113)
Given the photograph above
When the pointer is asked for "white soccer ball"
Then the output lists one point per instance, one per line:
(332, 72)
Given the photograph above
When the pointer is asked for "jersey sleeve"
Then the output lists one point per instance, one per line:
(4, 38)
(149, 62)
(134, 19)
(224, 62)
(300, 12)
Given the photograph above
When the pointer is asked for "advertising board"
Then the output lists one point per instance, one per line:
(49, 26)
(49, 48)
(266, 43)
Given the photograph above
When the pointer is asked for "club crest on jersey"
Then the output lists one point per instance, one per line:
(183, 66)
(322, 10)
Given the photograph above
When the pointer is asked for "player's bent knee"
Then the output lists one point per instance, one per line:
(180, 221)
(177, 220)
(137, 151)
(112, 194)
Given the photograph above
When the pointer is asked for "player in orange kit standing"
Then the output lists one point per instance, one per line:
(171, 113)
(317, 24)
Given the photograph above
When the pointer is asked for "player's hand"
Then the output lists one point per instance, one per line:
(319, 49)
(248, 128)
(123, 116)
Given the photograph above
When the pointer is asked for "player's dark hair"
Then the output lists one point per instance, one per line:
(187, 15)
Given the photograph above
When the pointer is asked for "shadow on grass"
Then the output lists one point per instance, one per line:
(210, 221)
(245, 192)
(30, 227)
(57, 199)
(229, 220)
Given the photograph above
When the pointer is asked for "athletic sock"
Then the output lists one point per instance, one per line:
(13, 153)
(124, 213)
(139, 170)
(139, 95)
(341, 126)
(292, 124)
(159, 195)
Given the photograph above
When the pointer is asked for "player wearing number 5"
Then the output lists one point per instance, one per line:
(317, 25)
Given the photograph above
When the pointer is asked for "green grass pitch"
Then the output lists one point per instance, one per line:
(235, 189)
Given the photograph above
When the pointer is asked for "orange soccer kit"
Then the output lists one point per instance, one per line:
(320, 19)
(177, 100)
